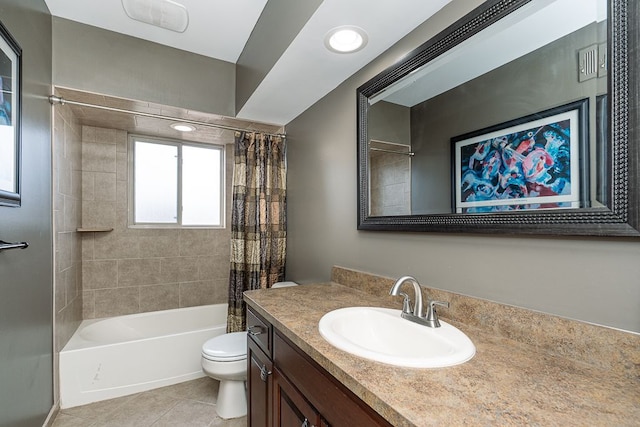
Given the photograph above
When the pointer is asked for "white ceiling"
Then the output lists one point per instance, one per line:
(305, 72)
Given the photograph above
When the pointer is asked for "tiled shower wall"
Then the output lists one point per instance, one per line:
(133, 270)
(67, 264)
(67, 165)
(390, 184)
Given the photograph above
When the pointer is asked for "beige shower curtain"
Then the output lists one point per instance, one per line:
(258, 219)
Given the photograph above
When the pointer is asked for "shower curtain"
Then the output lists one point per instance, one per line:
(258, 219)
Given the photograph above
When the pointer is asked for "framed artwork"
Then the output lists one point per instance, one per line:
(534, 162)
(10, 107)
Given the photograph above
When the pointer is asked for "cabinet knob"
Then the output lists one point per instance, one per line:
(254, 330)
(264, 373)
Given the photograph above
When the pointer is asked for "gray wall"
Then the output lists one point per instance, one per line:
(26, 276)
(96, 60)
(390, 123)
(594, 280)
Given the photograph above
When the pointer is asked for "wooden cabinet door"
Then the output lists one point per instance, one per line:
(291, 409)
(259, 383)
(339, 406)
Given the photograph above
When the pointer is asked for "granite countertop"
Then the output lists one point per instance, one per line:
(506, 383)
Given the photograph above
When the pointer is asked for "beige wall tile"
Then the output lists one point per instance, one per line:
(121, 139)
(116, 302)
(137, 272)
(195, 242)
(122, 203)
(106, 136)
(180, 269)
(197, 293)
(60, 298)
(88, 186)
(159, 297)
(87, 246)
(122, 166)
(64, 250)
(159, 246)
(70, 285)
(115, 245)
(210, 268)
(99, 274)
(169, 270)
(105, 186)
(88, 304)
(72, 214)
(98, 214)
(98, 157)
(64, 178)
(76, 183)
(188, 271)
(88, 134)
(220, 290)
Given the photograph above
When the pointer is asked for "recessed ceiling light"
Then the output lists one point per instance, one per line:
(183, 127)
(346, 39)
(165, 14)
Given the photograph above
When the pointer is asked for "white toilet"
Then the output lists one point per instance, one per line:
(224, 358)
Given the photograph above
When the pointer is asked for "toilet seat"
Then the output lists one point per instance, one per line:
(226, 348)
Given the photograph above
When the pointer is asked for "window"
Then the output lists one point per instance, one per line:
(176, 184)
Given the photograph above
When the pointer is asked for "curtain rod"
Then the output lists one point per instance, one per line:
(53, 100)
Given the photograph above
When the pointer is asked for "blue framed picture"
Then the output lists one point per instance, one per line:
(534, 162)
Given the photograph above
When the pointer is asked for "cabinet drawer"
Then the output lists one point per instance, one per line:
(337, 404)
(259, 330)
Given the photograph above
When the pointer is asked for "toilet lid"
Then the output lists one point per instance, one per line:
(226, 347)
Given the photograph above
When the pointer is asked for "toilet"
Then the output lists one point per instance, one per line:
(224, 358)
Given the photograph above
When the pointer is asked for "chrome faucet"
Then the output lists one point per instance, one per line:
(431, 317)
(417, 306)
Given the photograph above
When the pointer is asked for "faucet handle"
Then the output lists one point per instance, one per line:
(432, 315)
(406, 303)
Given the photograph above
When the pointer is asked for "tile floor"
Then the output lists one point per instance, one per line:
(191, 403)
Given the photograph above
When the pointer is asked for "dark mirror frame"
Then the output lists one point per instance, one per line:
(620, 218)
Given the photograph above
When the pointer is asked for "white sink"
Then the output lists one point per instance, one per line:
(380, 334)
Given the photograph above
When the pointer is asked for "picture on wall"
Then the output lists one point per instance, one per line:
(10, 55)
(534, 162)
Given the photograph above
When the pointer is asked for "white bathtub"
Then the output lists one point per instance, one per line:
(117, 356)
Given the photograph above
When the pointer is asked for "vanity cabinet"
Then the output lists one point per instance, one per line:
(259, 372)
(286, 388)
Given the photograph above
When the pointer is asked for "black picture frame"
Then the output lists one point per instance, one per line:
(539, 161)
(10, 118)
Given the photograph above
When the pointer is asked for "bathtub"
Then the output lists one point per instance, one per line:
(113, 357)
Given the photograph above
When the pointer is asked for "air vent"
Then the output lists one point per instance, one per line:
(588, 63)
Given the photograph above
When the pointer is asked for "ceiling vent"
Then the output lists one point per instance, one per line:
(165, 14)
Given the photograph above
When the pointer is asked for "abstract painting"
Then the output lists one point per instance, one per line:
(534, 162)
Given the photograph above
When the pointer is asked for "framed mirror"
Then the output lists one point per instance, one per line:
(522, 117)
